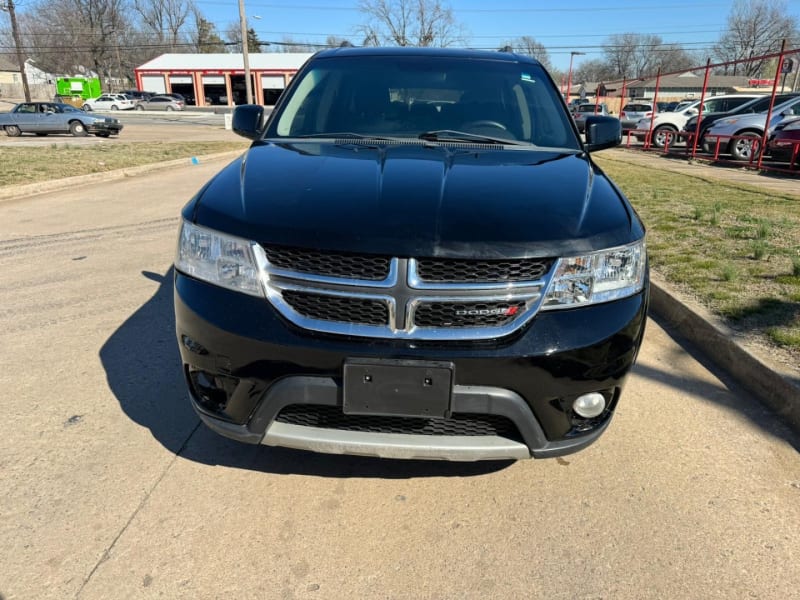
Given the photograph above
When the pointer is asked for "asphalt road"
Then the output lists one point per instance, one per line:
(110, 488)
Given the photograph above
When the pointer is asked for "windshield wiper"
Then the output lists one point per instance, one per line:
(347, 135)
(451, 135)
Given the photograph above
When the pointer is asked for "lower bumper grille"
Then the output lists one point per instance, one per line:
(462, 424)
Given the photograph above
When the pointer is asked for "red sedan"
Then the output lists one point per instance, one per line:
(784, 143)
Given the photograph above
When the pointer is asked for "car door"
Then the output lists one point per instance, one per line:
(25, 117)
(103, 103)
(48, 119)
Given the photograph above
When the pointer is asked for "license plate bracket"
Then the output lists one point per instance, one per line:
(399, 388)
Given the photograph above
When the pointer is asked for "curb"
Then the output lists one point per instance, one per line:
(780, 392)
(15, 192)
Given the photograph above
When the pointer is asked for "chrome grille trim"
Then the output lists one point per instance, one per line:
(402, 299)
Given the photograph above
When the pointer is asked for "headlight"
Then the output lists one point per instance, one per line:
(217, 258)
(597, 277)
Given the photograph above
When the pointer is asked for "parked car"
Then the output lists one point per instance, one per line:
(756, 105)
(137, 95)
(160, 103)
(587, 110)
(176, 96)
(109, 102)
(737, 134)
(633, 112)
(452, 278)
(666, 126)
(784, 143)
(44, 118)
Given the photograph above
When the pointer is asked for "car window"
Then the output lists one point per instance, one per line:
(27, 108)
(638, 107)
(409, 95)
(589, 108)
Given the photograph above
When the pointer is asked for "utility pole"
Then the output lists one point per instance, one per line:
(248, 84)
(9, 6)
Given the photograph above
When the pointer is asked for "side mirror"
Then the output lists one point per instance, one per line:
(691, 112)
(602, 133)
(248, 120)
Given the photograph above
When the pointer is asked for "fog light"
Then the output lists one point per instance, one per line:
(590, 405)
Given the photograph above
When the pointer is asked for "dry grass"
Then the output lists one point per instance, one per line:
(41, 163)
(736, 250)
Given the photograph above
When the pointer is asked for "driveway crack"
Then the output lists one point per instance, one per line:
(107, 552)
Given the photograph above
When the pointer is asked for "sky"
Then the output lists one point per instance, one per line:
(563, 27)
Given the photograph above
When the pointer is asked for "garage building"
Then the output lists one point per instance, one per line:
(218, 79)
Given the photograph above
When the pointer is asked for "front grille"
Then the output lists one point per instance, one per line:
(405, 298)
(329, 264)
(467, 314)
(338, 308)
(438, 270)
(332, 417)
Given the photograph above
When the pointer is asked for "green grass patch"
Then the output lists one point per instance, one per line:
(41, 163)
(736, 250)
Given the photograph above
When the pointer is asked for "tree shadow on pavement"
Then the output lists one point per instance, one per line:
(143, 369)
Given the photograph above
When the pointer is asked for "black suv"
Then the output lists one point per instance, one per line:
(416, 258)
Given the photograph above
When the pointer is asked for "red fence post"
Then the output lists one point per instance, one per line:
(763, 144)
(700, 109)
(648, 140)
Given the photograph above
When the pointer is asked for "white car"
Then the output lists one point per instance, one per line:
(738, 134)
(667, 124)
(109, 102)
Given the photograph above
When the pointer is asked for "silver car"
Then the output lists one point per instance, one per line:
(588, 110)
(167, 103)
(634, 111)
(740, 135)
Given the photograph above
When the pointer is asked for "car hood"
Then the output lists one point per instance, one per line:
(417, 200)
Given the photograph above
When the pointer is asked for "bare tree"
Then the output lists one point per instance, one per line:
(673, 57)
(164, 19)
(409, 23)
(333, 41)
(632, 54)
(594, 70)
(530, 47)
(66, 35)
(755, 28)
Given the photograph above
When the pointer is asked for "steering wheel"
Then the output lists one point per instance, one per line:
(486, 123)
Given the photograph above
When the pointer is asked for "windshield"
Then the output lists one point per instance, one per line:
(408, 96)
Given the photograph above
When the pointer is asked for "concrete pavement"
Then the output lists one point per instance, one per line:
(110, 488)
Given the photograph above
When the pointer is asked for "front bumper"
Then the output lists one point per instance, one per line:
(110, 128)
(252, 365)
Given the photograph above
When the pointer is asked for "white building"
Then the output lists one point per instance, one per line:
(218, 79)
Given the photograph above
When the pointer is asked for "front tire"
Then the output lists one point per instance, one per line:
(139, 107)
(13, 131)
(745, 147)
(662, 134)
(77, 129)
